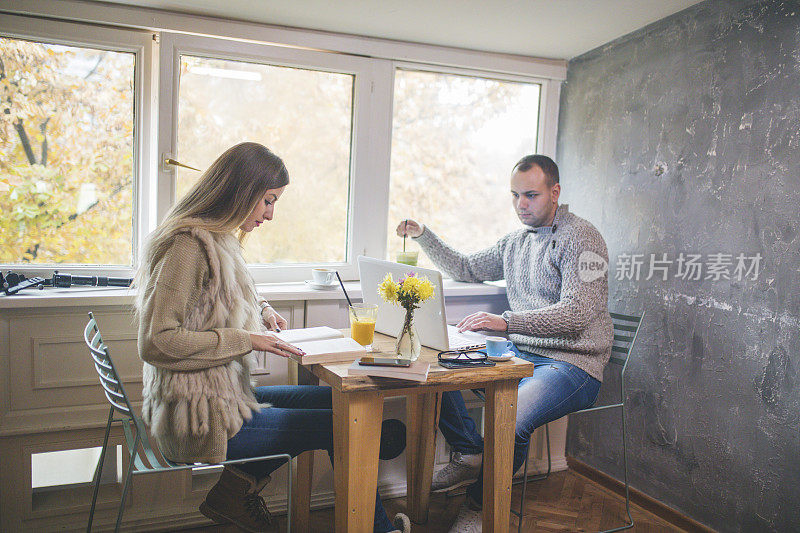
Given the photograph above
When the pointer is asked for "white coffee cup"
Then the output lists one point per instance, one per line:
(323, 276)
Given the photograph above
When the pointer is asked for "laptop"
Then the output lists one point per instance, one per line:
(429, 319)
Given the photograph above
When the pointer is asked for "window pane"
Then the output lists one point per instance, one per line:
(305, 117)
(66, 154)
(455, 140)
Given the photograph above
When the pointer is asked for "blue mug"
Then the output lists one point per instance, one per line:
(498, 347)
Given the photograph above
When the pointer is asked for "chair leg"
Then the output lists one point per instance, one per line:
(629, 524)
(521, 512)
(289, 479)
(126, 486)
(625, 467)
(98, 470)
(540, 477)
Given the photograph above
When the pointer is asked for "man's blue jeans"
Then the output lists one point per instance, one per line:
(555, 389)
(300, 419)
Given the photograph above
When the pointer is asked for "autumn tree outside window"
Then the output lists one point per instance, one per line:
(66, 154)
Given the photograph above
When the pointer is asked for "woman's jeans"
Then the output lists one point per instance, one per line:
(555, 389)
(300, 419)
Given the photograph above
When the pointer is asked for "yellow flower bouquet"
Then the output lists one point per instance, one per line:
(408, 293)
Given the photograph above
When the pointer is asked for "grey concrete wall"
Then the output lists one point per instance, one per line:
(684, 137)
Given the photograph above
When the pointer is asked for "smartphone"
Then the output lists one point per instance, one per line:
(383, 361)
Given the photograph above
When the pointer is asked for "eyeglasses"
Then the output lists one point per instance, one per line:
(463, 359)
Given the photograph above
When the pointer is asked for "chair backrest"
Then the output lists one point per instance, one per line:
(106, 371)
(135, 432)
(626, 327)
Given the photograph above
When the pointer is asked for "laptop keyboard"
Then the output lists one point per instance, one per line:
(467, 340)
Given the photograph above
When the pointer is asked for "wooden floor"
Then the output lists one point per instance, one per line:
(566, 501)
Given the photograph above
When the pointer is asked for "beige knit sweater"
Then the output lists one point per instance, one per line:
(196, 310)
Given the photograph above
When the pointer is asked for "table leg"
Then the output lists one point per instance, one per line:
(357, 418)
(422, 419)
(301, 493)
(498, 454)
(304, 468)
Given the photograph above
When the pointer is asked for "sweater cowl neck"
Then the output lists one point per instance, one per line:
(561, 214)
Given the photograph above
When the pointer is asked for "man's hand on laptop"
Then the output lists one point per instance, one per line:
(482, 321)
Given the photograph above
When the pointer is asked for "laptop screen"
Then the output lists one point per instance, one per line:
(429, 318)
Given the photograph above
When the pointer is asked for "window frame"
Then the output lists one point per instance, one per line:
(545, 138)
(378, 60)
(364, 145)
(543, 141)
(139, 43)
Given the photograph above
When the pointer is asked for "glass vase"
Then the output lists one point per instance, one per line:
(408, 346)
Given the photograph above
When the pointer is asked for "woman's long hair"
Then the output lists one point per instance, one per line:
(220, 201)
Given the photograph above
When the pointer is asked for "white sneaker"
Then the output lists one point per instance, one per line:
(467, 521)
(461, 470)
(401, 523)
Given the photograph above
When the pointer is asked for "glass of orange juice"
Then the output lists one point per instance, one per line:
(362, 323)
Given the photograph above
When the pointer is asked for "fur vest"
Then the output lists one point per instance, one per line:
(193, 414)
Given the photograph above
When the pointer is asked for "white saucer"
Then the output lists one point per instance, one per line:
(314, 285)
(505, 357)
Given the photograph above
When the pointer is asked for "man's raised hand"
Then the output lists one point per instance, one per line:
(410, 228)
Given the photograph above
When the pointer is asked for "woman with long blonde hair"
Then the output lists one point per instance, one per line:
(200, 319)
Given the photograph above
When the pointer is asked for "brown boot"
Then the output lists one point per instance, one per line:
(235, 498)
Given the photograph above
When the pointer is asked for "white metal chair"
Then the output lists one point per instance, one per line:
(626, 328)
(143, 459)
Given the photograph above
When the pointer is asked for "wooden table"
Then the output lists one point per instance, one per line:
(357, 418)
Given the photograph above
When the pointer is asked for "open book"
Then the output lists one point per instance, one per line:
(322, 345)
(418, 371)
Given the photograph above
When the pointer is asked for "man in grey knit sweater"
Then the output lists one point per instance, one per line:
(558, 320)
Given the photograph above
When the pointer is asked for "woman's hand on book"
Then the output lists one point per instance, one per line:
(272, 344)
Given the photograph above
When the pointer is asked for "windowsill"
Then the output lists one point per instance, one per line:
(84, 296)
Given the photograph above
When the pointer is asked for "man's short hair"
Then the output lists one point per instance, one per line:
(547, 165)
